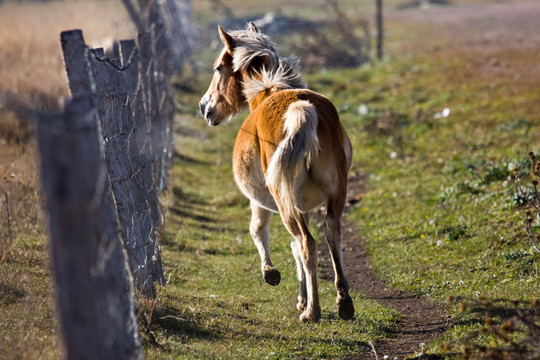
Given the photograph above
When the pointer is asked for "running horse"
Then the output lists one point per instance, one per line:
(291, 155)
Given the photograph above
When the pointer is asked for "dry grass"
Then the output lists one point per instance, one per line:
(31, 66)
(30, 54)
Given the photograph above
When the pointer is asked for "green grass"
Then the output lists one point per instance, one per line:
(216, 304)
(442, 217)
(28, 324)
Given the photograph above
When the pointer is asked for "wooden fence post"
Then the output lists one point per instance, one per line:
(94, 292)
(176, 17)
(133, 183)
(158, 22)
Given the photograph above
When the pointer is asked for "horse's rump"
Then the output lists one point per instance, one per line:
(289, 165)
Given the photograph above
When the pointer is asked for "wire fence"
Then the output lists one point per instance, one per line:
(104, 166)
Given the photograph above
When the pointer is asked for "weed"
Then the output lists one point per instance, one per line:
(498, 172)
(531, 197)
(453, 233)
(146, 318)
(517, 254)
(7, 234)
(13, 130)
(510, 330)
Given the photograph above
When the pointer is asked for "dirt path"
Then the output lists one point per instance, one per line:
(422, 320)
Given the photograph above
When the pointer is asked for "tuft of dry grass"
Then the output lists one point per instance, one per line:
(509, 331)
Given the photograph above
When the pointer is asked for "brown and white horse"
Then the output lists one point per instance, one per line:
(291, 155)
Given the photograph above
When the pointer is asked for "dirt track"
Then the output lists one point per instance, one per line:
(489, 34)
(422, 319)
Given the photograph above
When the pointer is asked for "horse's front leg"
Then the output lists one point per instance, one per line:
(333, 237)
(260, 221)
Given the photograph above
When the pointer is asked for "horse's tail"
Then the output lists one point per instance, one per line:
(290, 163)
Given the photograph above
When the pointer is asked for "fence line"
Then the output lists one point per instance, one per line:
(94, 289)
(134, 161)
(135, 108)
(104, 164)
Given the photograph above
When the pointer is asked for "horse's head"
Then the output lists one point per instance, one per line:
(245, 54)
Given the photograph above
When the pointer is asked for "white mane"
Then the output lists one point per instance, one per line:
(282, 73)
(285, 76)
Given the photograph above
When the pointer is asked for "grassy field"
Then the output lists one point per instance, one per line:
(441, 216)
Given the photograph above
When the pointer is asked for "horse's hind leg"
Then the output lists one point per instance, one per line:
(297, 224)
(258, 227)
(302, 294)
(333, 237)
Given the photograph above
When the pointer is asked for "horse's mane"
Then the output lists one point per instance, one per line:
(281, 73)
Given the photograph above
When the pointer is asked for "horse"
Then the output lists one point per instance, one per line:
(291, 155)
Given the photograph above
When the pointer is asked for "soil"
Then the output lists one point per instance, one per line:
(422, 319)
(490, 33)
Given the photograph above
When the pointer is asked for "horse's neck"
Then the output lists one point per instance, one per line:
(257, 100)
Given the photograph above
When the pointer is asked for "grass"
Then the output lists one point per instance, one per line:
(440, 217)
(450, 183)
(216, 304)
(28, 324)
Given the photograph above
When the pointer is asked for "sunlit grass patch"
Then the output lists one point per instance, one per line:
(441, 215)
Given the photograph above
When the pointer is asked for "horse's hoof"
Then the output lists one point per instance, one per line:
(310, 316)
(272, 276)
(301, 305)
(345, 307)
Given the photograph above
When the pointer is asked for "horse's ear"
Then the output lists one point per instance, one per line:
(253, 27)
(227, 39)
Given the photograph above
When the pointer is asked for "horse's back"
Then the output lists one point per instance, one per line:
(263, 131)
(270, 114)
(269, 118)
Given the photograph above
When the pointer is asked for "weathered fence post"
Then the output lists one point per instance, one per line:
(94, 292)
(156, 70)
(176, 17)
(117, 85)
(158, 22)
